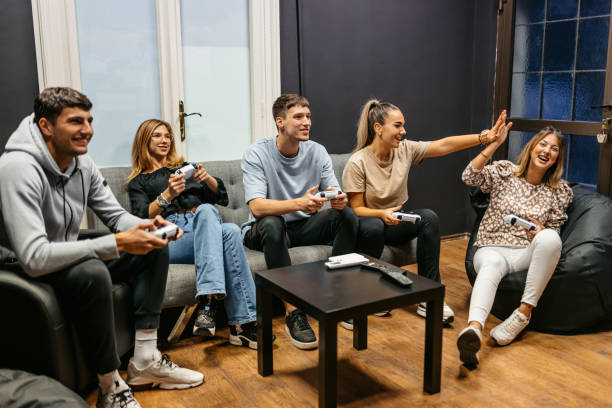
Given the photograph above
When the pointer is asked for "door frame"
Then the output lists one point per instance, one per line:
(57, 56)
(502, 98)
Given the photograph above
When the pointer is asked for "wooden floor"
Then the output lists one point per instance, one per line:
(539, 370)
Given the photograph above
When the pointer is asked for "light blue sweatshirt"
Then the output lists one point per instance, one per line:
(266, 173)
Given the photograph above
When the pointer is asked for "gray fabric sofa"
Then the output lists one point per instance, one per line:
(180, 289)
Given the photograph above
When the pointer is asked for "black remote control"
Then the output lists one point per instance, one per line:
(394, 273)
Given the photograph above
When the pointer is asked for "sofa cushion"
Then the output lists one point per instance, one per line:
(180, 287)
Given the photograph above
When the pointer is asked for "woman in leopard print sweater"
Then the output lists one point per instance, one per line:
(533, 190)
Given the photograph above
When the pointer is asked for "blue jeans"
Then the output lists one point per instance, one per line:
(221, 266)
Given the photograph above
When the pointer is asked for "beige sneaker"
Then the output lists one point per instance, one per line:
(164, 374)
(122, 399)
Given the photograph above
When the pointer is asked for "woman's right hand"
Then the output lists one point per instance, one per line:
(176, 185)
(388, 218)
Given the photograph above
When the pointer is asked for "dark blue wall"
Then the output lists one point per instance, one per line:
(433, 59)
(18, 72)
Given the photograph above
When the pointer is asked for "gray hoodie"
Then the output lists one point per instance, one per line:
(42, 206)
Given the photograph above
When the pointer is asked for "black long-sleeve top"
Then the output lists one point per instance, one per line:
(145, 188)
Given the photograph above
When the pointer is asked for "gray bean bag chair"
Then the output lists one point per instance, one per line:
(578, 297)
(23, 389)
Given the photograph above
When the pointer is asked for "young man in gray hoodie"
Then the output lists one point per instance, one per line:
(46, 181)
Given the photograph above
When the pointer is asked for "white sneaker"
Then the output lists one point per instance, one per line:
(121, 399)
(505, 332)
(447, 313)
(347, 324)
(468, 343)
(385, 313)
(164, 374)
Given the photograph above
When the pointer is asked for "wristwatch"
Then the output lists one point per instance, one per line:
(161, 201)
(483, 136)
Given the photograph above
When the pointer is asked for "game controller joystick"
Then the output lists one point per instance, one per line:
(188, 170)
(413, 218)
(328, 194)
(167, 231)
(514, 220)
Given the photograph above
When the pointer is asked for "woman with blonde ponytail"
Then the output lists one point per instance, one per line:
(376, 181)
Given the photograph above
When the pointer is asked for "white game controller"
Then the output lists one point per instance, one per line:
(413, 218)
(328, 194)
(514, 220)
(167, 231)
(188, 170)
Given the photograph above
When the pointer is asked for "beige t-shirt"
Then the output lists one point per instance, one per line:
(384, 184)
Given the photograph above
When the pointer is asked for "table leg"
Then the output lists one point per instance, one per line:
(360, 333)
(328, 364)
(433, 345)
(264, 332)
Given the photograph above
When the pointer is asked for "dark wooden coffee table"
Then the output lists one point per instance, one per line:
(334, 295)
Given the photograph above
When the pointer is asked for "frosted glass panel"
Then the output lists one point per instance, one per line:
(119, 72)
(216, 70)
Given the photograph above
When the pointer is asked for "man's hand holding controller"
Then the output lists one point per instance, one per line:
(140, 239)
(337, 198)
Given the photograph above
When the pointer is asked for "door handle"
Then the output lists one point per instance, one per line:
(608, 106)
(182, 116)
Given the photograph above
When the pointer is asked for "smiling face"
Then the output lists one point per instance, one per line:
(545, 153)
(296, 123)
(160, 143)
(69, 136)
(392, 131)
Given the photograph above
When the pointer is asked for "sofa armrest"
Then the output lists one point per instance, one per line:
(36, 332)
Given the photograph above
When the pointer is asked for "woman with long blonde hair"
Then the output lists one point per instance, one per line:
(215, 247)
(376, 181)
(531, 189)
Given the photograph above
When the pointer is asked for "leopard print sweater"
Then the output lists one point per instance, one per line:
(514, 195)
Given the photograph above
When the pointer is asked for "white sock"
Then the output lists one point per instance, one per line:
(111, 382)
(145, 349)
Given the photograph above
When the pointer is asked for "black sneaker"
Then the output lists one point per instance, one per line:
(298, 328)
(204, 324)
(247, 337)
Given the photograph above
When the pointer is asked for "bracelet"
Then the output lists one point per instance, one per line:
(482, 137)
(486, 157)
(161, 201)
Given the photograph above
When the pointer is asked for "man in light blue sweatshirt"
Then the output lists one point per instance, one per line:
(281, 176)
(46, 181)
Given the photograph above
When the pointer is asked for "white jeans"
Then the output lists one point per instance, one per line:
(493, 263)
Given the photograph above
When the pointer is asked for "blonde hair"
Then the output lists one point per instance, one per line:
(552, 177)
(374, 111)
(141, 157)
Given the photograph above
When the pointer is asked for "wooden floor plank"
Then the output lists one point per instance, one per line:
(539, 370)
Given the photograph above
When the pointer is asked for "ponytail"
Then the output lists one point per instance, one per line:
(374, 111)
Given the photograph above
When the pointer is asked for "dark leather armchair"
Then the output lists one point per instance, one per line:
(37, 338)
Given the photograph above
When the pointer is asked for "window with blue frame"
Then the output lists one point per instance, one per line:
(559, 72)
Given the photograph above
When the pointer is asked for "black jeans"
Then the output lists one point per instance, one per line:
(85, 293)
(272, 235)
(374, 234)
